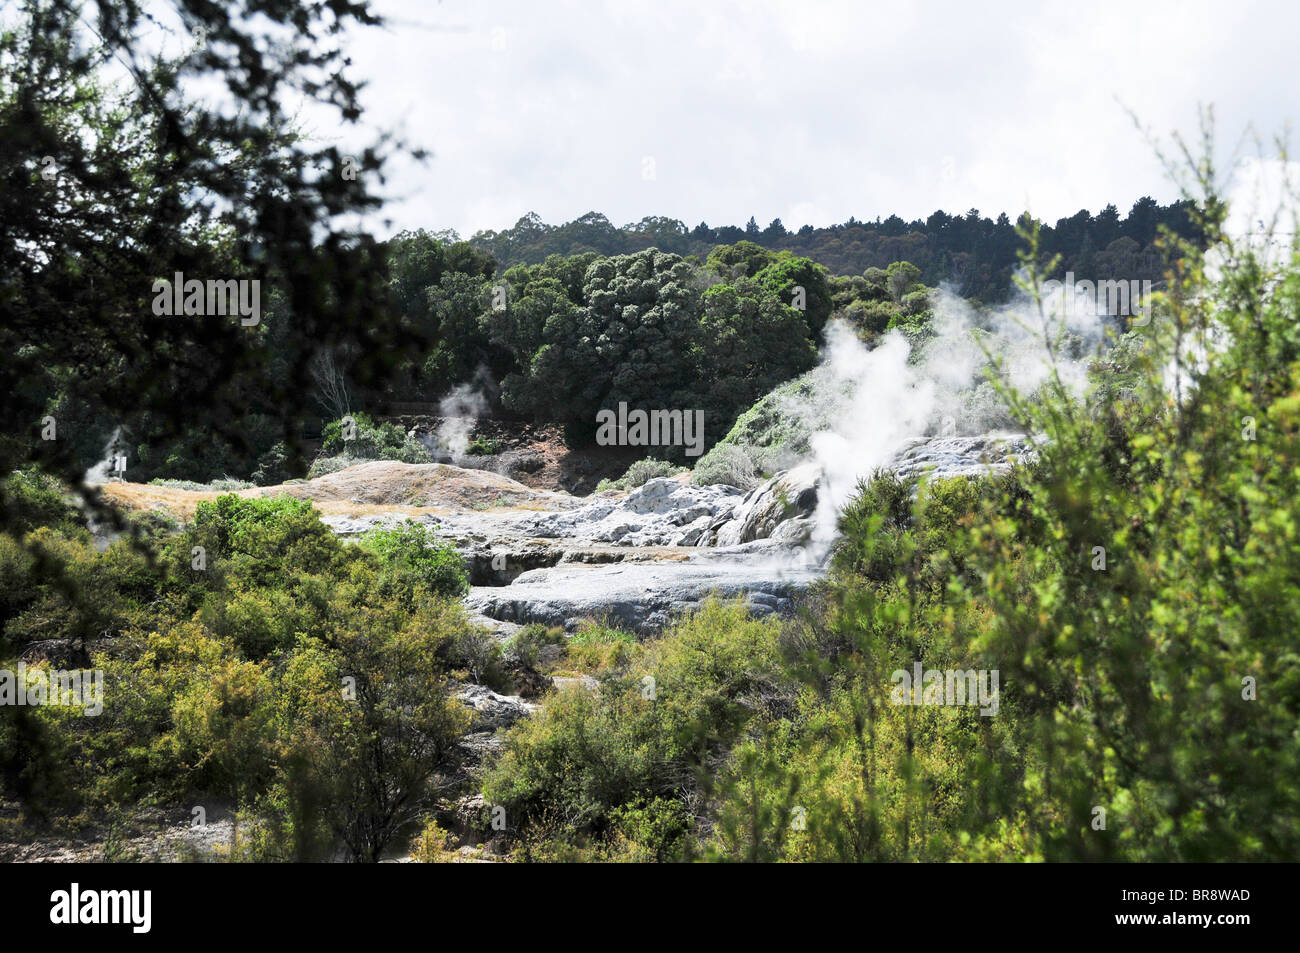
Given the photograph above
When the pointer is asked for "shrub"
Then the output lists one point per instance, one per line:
(601, 759)
(372, 441)
(266, 526)
(476, 653)
(654, 829)
(225, 484)
(873, 527)
(433, 845)
(872, 317)
(640, 473)
(597, 647)
(725, 464)
(323, 466)
(414, 547)
(228, 680)
(30, 499)
(482, 446)
(525, 647)
(272, 466)
(643, 471)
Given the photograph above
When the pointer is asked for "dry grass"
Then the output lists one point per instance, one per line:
(381, 486)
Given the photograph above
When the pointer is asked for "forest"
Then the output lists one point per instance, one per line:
(977, 256)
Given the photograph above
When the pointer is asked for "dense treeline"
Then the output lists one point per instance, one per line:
(976, 255)
(560, 340)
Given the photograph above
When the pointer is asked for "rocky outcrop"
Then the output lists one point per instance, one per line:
(662, 512)
(641, 597)
(766, 510)
(500, 544)
(479, 746)
(636, 558)
(962, 456)
(492, 711)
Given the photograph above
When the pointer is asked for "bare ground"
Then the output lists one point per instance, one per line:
(379, 486)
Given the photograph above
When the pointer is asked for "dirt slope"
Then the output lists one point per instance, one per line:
(367, 487)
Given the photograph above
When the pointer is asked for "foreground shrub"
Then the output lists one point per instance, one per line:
(601, 759)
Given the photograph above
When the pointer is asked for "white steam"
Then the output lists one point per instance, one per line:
(101, 472)
(459, 411)
(887, 395)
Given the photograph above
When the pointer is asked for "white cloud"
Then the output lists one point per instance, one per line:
(810, 111)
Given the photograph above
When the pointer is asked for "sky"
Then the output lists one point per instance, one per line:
(806, 111)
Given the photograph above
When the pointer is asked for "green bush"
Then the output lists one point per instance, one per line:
(265, 527)
(917, 327)
(640, 473)
(372, 441)
(476, 654)
(599, 647)
(725, 464)
(303, 680)
(272, 466)
(482, 446)
(599, 759)
(30, 499)
(323, 466)
(525, 647)
(413, 547)
(872, 317)
(643, 471)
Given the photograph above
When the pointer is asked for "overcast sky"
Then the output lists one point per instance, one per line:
(807, 111)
